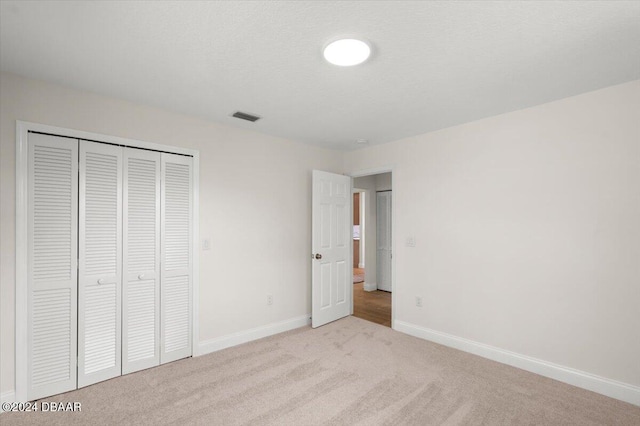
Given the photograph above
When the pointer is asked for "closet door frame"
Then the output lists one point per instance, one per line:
(21, 243)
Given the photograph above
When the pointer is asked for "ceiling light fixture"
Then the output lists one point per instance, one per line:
(347, 52)
(362, 141)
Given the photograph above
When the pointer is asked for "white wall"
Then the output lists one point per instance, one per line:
(527, 229)
(255, 205)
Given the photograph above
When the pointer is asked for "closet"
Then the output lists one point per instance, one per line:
(109, 261)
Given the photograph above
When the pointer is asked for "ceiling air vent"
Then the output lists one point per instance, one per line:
(245, 116)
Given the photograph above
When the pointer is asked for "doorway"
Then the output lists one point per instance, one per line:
(372, 283)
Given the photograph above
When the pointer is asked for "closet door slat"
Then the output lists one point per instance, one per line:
(176, 263)
(100, 263)
(141, 260)
(52, 272)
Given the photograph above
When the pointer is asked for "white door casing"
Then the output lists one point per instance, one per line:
(99, 263)
(383, 238)
(176, 256)
(141, 260)
(331, 247)
(52, 241)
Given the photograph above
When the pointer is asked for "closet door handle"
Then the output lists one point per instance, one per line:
(101, 281)
(141, 277)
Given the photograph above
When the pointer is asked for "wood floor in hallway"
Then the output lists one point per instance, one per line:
(374, 306)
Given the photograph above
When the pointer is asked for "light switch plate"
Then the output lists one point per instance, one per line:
(206, 244)
(410, 242)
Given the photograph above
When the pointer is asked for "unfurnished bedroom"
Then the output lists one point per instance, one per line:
(320, 212)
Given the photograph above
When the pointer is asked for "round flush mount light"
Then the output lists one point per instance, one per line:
(347, 52)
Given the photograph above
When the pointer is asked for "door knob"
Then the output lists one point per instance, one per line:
(318, 256)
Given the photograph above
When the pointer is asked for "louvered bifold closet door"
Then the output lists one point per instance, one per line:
(141, 261)
(100, 263)
(52, 228)
(176, 257)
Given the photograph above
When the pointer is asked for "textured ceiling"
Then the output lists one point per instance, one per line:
(434, 64)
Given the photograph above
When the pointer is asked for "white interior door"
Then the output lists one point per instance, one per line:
(176, 257)
(383, 234)
(99, 262)
(141, 260)
(52, 286)
(331, 248)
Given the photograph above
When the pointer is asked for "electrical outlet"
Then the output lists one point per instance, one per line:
(419, 301)
(269, 299)
(206, 244)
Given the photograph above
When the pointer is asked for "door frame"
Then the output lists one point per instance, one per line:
(377, 171)
(21, 242)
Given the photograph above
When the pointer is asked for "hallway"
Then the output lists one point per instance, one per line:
(374, 306)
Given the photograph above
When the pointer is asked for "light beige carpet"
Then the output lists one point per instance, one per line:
(350, 372)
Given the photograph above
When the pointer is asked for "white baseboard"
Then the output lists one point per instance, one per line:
(611, 388)
(361, 265)
(9, 396)
(370, 287)
(240, 337)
